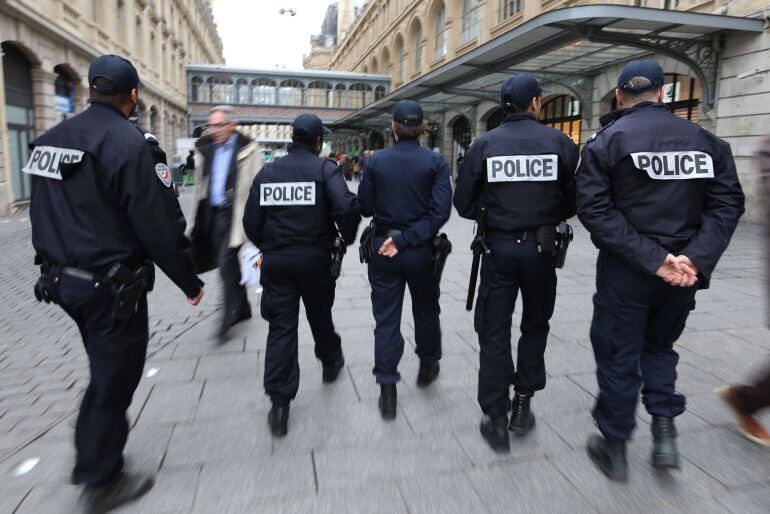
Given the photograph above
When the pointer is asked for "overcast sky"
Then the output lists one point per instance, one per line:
(256, 35)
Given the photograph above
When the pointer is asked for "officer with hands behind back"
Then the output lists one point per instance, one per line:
(300, 213)
(661, 198)
(523, 174)
(407, 189)
(102, 208)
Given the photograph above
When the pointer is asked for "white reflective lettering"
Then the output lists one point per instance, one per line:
(45, 160)
(674, 165)
(287, 193)
(522, 168)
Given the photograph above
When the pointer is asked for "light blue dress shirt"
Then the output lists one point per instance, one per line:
(220, 167)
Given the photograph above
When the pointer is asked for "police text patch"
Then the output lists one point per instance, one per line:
(522, 168)
(45, 160)
(675, 165)
(287, 193)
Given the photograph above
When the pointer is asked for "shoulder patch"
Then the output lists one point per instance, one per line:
(164, 174)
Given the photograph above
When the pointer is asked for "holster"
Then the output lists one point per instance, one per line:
(366, 243)
(442, 247)
(338, 252)
(564, 237)
(128, 286)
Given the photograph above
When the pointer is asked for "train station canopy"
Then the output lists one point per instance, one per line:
(568, 47)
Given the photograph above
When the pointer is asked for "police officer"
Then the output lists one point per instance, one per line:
(102, 207)
(407, 189)
(297, 206)
(661, 198)
(523, 174)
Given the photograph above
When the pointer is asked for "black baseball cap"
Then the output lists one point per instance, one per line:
(118, 70)
(641, 70)
(404, 109)
(518, 91)
(309, 126)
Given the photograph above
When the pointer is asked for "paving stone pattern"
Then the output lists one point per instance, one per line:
(200, 420)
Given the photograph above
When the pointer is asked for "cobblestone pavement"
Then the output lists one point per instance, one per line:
(199, 415)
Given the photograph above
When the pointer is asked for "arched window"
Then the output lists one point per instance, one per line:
(496, 119)
(379, 93)
(374, 68)
(440, 42)
(244, 91)
(417, 47)
(386, 64)
(461, 140)
(219, 88)
(339, 96)
(563, 113)
(400, 52)
(290, 93)
(470, 26)
(360, 95)
(197, 91)
(153, 120)
(318, 94)
(510, 8)
(263, 92)
(20, 116)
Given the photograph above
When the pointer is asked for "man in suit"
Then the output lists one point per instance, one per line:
(229, 161)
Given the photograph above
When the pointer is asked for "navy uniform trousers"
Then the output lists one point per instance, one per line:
(116, 353)
(289, 274)
(637, 318)
(511, 267)
(412, 266)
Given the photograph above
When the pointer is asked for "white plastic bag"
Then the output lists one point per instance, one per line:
(250, 258)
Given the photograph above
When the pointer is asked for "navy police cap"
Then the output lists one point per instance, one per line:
(518, 91)
(408, 112)
(118, 70)
(641, 70)
(309, 126)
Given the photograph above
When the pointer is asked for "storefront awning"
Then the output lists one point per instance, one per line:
(567, 47)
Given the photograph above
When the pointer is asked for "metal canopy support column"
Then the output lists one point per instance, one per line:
(701, 55)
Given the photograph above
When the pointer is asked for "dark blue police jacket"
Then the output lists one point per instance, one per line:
(297, 200)
(100, 196)
(407, 188)
(523, 172)
(651, 183)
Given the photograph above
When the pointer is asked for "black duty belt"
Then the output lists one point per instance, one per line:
(386, 232)
(518, 235)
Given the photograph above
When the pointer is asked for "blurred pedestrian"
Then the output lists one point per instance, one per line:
(746, 400)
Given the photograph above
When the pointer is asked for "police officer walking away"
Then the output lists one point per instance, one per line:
(102, 208)
(407, 189)
(523, 174)
(661, 198)
(298, 206)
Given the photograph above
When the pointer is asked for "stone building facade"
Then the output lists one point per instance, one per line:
(408, 39)
(47, 46)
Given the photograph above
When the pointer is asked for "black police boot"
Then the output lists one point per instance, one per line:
(664, 451)
(388, 401)
(428, 373)
(495, 430)
(609, 456)
(278, 419)
(522, 419)
(123, 489)
(331, 371)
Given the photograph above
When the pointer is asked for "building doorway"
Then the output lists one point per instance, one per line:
(461, 140)
(563, 113)
(20, 116)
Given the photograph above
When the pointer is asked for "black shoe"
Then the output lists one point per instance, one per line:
(387, 402)
(332, 371)
(428, 373)
(229, 320)
(664, 451)
(495, 431)
(522, 419)
(609, 456)
(123, 489)
(278, 419)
